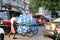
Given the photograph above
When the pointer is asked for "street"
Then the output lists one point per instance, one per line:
(38, 36)
(29, 13)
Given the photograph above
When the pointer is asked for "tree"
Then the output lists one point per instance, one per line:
(52, 5)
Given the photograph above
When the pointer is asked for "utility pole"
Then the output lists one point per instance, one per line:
(9, 4)
(24, 5)
(1, 4)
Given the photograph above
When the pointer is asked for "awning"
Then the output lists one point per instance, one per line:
(57, 20)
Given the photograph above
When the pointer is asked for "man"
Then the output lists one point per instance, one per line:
(13, 26)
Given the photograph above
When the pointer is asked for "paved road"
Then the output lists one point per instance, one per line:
(39, 36)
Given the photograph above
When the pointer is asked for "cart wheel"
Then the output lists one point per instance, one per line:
(23, 34)
(30, 34)
(35, 32)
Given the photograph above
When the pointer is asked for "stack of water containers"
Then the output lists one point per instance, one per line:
(25, 21)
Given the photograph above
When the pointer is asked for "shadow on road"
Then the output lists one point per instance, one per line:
(52, 37)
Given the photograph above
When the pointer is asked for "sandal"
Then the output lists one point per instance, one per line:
(14, 38)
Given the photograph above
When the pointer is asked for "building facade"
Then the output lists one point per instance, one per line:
(18, 5)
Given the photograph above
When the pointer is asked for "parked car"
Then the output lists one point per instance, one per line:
(5, 16)
(1, 34)
(51, 27)
(40, 19)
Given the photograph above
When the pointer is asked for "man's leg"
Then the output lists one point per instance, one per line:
(14, 36)
(9, 34)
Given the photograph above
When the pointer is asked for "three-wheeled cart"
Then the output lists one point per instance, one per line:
(27, 25)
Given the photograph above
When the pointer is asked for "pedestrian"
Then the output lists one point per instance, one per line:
(13, 26)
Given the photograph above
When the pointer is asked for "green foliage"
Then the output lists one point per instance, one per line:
(52, 5)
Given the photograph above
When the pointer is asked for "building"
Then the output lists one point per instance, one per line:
(17, 5)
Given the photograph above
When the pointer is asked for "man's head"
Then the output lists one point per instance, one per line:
(13, 15)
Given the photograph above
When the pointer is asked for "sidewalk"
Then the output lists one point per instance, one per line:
(27, 38)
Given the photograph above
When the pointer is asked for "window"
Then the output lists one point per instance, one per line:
(14, 0)
(4, 15)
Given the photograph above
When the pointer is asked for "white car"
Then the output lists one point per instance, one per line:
(49, 29)
(1, 34)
